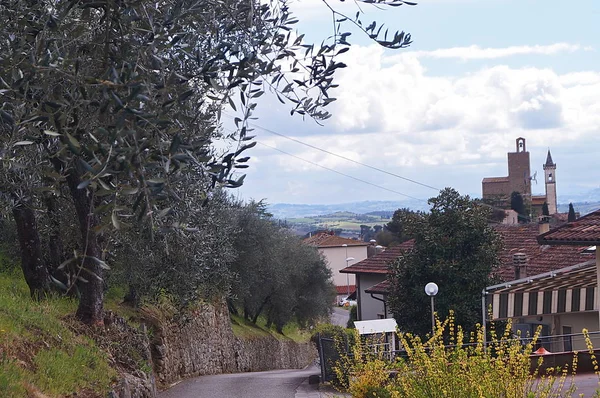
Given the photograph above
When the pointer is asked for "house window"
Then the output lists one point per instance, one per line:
(589, 298)
(503, 305)
(533, 299)
(518, 310)
(575, 300)
(562, 301)
(547, 307)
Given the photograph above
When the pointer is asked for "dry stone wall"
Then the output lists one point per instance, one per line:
(203, 343)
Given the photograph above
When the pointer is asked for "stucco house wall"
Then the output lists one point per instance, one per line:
(368, 307)
(336, 258)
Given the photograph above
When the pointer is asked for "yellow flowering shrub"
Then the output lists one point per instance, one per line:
(450, 364)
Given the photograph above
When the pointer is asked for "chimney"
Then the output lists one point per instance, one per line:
(544, 224)
(520, 264)
(372, 249)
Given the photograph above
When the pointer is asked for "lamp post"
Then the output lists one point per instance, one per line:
(432, 289)
(348, 259)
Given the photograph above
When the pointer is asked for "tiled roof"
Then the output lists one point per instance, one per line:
(540, 258)
(380, 288)
(495, 179)
(340, 290)
(538, 199)
(378, 264)
(584, 231)
(325, 239)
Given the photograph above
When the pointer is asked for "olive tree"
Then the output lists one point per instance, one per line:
(115, 104)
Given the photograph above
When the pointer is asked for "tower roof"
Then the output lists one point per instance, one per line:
(549, 161)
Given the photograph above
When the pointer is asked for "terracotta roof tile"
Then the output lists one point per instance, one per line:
(340, 290)
(380, 288)
(378, 264)
(540, 258)
(582, 232)
(325, 239)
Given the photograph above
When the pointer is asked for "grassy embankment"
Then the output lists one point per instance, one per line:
(44, 354)
(246, 329)
(40, 355)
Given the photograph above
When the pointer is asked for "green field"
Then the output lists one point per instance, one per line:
(344, 220)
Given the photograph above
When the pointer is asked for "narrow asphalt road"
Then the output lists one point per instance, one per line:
(271, 384)
(339, 316)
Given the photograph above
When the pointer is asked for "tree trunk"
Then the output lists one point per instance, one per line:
(90, 310)
(34, 270)
(55, 245)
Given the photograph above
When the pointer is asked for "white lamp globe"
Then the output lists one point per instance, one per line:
(431, 289)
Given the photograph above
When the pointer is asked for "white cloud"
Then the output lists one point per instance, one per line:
(440, 130)
(476, 52)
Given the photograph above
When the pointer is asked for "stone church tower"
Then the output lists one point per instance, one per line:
(550, 179)
(499, 189)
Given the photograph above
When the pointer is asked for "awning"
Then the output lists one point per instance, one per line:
(376, 326)
(570, 289)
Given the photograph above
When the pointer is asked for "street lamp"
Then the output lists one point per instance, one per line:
(432, 289)
(348, 259)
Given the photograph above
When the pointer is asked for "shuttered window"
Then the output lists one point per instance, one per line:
(533, 299)
(589, 298)
(503, 313)
(575, 300)
(518, 310)
(562, 301)
(547, 307)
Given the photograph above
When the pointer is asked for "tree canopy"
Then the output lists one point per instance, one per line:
(455, 248)
(111, 107)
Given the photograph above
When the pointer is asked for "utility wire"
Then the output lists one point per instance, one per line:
(342, 157)
(342, 174)
(525, 216)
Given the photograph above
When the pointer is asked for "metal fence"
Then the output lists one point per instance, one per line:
(331, 351)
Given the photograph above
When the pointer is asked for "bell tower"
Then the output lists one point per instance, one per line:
(550, 179)
(519, 171)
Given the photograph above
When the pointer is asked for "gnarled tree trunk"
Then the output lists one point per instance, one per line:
(34, 269)
(91, 302)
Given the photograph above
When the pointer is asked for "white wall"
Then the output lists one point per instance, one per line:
(368, 307)
(336, 258)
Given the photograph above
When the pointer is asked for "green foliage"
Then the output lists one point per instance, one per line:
(115, 106)
(399, 225)
(517, 204)
(572, 216)
(455, 248)
(353, 316)
(463, 369)
(275, 274)
(545, 210)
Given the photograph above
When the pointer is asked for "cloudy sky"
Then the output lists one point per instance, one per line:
(445, 111)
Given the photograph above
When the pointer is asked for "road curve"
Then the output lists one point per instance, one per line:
(270, 384)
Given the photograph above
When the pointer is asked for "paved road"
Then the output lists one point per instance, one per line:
(339, 316)
(271, 384)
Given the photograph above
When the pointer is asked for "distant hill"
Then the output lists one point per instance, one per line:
(583, 203)
(288, 211)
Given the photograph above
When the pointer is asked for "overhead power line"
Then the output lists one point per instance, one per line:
(342, 157)
(340, 173)
(359, 163)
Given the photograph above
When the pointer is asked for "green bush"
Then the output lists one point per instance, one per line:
(352, 317)
(433, 369)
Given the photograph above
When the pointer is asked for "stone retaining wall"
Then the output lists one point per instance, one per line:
(203, 343)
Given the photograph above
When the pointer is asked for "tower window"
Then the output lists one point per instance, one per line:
(550, 177)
